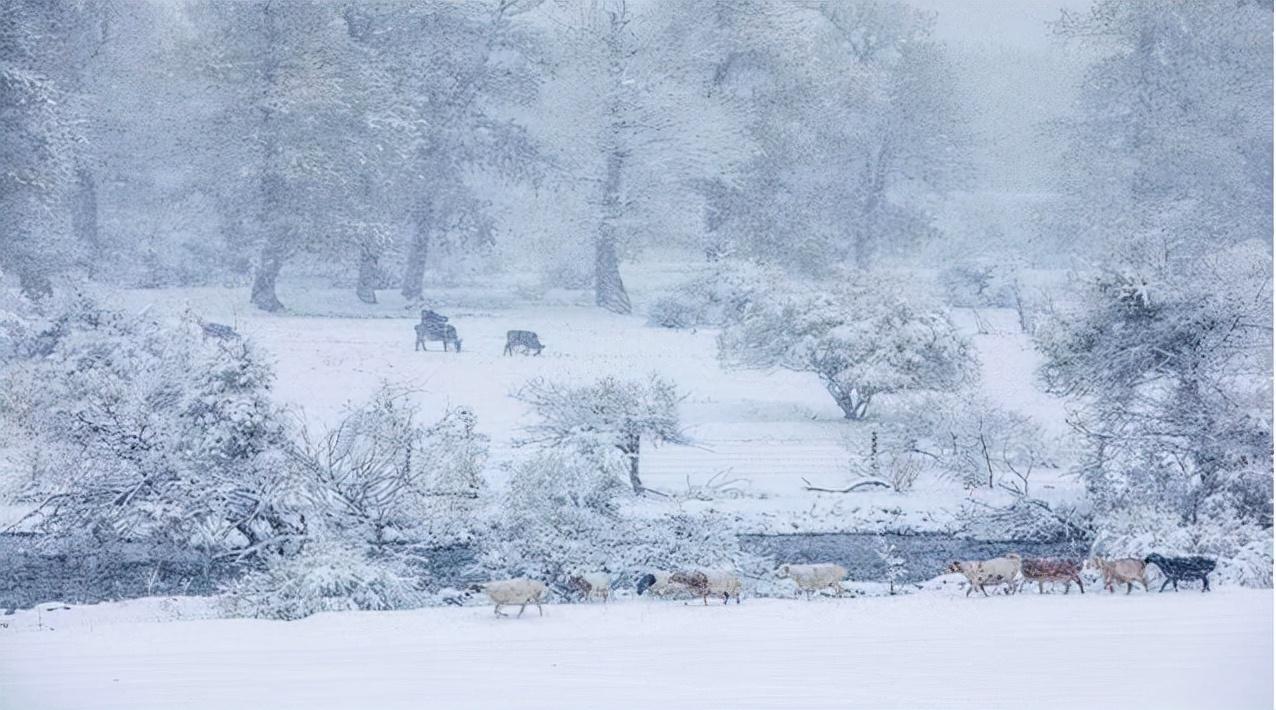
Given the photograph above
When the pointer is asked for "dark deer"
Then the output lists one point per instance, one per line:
(525, 340)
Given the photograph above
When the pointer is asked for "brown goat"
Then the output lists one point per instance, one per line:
(1125, 571)
(1052, 570)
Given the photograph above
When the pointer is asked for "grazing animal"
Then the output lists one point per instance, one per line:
(657, 582)
(1047, 570)
(524, 339)
(1184, 569)
(704, 583)
(980, 573)
(812, 578)
(219, 331)
(591, 584)
(521, 591)
(434, 327)
(1125, 571)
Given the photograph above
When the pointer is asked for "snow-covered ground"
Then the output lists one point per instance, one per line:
(767, 430)
(932, 649)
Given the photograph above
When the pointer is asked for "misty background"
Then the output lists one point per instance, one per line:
(392, 145)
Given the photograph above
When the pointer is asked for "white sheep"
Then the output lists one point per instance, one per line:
(521, 591)
(999, 570)
(812, 578)
(704, 583)
(591, 584)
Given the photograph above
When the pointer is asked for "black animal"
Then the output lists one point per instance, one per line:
(646, 582)
(434, 326)
(1185, 569)
(525, 339)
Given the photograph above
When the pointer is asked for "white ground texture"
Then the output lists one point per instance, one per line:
(767, 431)
(926, 650)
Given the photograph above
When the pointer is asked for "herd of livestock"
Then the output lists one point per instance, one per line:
(1009, 572)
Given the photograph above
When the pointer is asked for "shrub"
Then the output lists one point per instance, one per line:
(327, 575)
(719, 296)
(562, 512)
(978, 284)
(144, 431)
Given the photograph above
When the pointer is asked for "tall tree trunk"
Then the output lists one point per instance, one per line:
(630, 448)
(275, 236)
(414, 267)
(609, 289)
(366, 288)
(263, 294)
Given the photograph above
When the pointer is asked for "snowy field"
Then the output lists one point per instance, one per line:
(767, 430)
(1186, 650)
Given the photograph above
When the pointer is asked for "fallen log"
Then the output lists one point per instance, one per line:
(867, 482)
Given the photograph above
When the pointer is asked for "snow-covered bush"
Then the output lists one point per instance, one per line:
(1243, 550)
(139, 430)
(891, 460)
(381, 476)
(327, 575)
(1024, 518)
(863, 336)
(562, 512)
(973, 440)
(677, 310)
(891, 560)
(608, 415)
(978, 283)
(716, 297)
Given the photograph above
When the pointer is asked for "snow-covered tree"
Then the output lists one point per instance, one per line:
(443, 115)
(632, 121)
(850, 105)
(973, 440)
(891, 560)
(275, 79)
(608, 416)
(40, 139)
(721, 293)
(563, 512)
(138, 431)
(1171, 141)
(862, 336)
(381, 476)
(1169, 365)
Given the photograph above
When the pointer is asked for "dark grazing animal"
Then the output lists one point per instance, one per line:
(217, 330)
(1051, 570)
(524, 339)
(433, 326)
(1184, 569)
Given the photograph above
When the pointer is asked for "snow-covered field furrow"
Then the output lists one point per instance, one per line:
(1186, 650)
